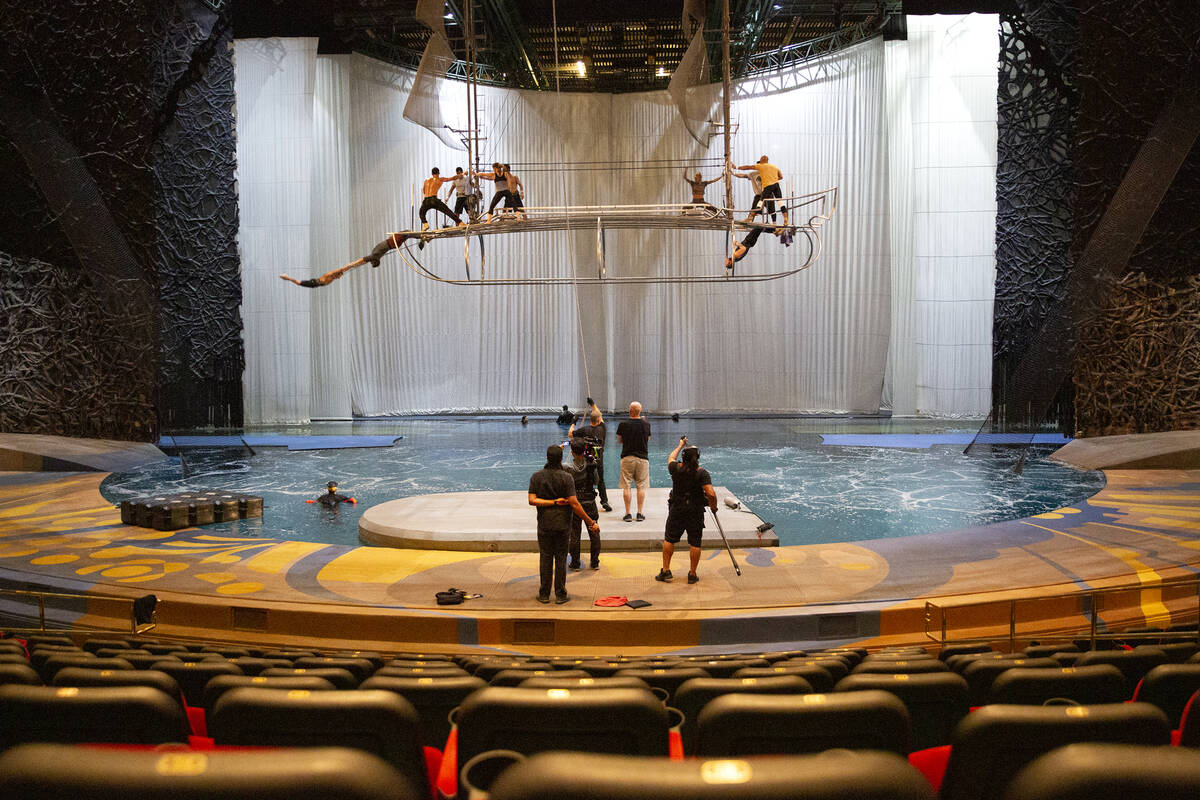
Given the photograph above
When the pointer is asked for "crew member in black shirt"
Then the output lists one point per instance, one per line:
(634, 436)
(552, 491)
(583, 471)
(331, 499)
(566, 417)
(597, 432)
(691, 490)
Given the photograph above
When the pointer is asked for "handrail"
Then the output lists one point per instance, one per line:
(142, 610)
(938, 615)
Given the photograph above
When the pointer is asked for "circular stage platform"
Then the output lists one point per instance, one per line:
(504, 522)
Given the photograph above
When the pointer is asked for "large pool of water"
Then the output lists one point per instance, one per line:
(812, 492)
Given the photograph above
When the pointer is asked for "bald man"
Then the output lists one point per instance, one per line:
(634, 437)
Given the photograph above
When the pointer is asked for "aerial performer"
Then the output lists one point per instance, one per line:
(771, 176)
(516, 193)
(393, 241)
(433, 185)
(756, 183)
(500, 177)
(698, 186)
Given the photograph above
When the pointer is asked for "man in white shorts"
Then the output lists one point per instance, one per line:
(634, 436)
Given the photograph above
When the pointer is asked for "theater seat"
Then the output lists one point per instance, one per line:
(992, 744)
(1094, 685)
(936, 701)
(1110, 772)
(193, 676)
(433, 699)
(20, 674)
(818, 677)
(61, 660)
(220, 684)
(514, 677)
(669, 679)
(555, 682)
(1169, 687)
(77, 676)
(378, 722)
(892, 666)
(54, 772)
(747, 724)
(695, 694)
(341, 678)
(981, 674)
(124, 714)
(1133, 664)
(840, 775)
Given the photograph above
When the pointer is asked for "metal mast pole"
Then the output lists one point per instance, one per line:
(725, 102)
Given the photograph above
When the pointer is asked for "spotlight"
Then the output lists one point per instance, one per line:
(766, 526)
(581, 69)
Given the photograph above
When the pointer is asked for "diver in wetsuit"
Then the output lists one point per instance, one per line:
(332, 499)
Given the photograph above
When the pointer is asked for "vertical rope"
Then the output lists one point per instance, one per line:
(587, 378)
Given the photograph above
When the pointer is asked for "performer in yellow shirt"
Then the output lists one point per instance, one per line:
(771, 177)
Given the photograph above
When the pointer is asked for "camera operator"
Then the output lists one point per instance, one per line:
(691, 491)
(583, 470)
(596, 433)
(552, 492)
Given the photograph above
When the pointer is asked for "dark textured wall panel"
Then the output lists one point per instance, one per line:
(79, 318)
(1036, 107)
(1136, 366)
(197, 217)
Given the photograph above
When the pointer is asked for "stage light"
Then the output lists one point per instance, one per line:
(581, 69)
(662, 72)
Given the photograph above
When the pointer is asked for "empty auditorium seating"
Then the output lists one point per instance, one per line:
(669, 679)
(911, 666)
(1097, 684)
(527, 720)
(1110, 772)
(432, 698)
(829, 776)
(52, 772)
(936, 701)
(1133, 664)
(62, 660)
(991, 744)
(220, 684)
(962, 650)
(817, 677)
(982, 673)
(1177, 652)
(836, 667)
(747, 724)
(553, 681)
(378, 722)
(694, 694)
(79, 676)
(339, 677)
(1045, 650)
(21, 674)
(124, 714)
(1169, 687)
(193, 676)
(514, 677)
(360, 668)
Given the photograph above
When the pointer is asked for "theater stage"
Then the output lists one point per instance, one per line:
(503, 522)
(58, 534)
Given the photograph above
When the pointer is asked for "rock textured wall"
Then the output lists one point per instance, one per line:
(118, 218)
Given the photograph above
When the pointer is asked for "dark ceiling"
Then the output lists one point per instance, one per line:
(609, 46)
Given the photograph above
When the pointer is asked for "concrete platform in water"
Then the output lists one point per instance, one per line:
(504, 522)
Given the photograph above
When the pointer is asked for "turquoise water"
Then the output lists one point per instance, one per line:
(777, 467)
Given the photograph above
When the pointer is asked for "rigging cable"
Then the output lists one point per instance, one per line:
(587, 378)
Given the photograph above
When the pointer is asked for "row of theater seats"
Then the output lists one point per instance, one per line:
(901, 701)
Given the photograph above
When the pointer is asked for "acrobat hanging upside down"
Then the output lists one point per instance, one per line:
(332, 499)
(392, 242)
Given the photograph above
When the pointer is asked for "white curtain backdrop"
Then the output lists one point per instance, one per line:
(328, 166)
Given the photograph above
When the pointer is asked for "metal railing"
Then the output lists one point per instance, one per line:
(142, 610)
(988, 615)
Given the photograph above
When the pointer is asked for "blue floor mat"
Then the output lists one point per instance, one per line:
(290, 442)
(924, 440)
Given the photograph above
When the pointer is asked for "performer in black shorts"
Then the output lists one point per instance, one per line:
(389, 244)
(691, 491)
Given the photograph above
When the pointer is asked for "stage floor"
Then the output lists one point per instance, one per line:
(58, 533)
(503, 522)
